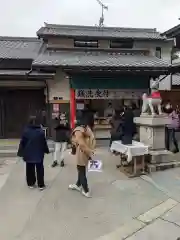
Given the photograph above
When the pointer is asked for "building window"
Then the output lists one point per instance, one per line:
(121, 43)
(158, 52)
(86, 43)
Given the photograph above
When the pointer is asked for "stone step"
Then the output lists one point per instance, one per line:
(9, 144)
(162, 166)
(12, 152)
(162, 157)
(9, 148)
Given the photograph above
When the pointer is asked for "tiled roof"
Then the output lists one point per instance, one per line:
(176, 63)
(19, 48)
(41, 74)
(96, 59)
(13, 72)
(105, 32)
(175, 79)
(25, 73)
(172, 32)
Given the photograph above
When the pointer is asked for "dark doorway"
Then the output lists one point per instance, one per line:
(15, 108)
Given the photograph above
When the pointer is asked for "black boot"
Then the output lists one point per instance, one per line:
(176, 150)
(54, 164)
(62, 163)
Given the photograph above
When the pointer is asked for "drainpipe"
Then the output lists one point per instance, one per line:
(171, 73)
(162, 78)
(30, 71)
(48, 108)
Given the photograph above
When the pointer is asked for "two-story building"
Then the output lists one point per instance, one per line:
(69, 66)
(174, 94)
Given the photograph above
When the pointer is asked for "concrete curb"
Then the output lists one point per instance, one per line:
(140, 222)
(157, 211)
(10, 153)
(124, 231)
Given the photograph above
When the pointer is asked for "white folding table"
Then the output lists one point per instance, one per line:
(132, 151)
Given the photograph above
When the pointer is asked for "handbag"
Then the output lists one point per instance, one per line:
(73, 149)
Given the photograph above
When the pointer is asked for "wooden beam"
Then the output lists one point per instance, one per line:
(59, 101)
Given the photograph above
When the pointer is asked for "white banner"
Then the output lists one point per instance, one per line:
(109, 94)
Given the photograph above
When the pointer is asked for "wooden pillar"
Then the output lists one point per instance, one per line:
(72, 107)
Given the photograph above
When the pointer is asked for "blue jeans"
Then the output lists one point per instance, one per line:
(82, 179)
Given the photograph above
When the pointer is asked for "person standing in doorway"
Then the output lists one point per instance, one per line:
(116, 127)
(84, 141)
(62, 130)
(32, 147)
(109, 111)
(88, 113)
(128, 126)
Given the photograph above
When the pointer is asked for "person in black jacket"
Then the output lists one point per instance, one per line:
(88, 114)
(116, 126)
(128, 126)
(62, 131)
(32, 148)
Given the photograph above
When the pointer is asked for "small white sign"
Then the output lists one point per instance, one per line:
(55, 107)
(80, 106)
(95, 166)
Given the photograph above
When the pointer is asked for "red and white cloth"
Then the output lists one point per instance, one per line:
(155, 95)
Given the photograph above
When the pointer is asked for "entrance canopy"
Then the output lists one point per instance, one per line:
(108, 81)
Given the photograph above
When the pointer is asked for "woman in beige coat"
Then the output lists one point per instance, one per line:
(83, 139)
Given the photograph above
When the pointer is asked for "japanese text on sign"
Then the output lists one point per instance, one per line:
(108, 94)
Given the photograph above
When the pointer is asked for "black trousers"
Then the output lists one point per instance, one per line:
(170, 136)
(82, 179)
(35, 171)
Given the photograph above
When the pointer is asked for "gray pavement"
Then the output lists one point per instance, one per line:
(158, 230)
(115, 206)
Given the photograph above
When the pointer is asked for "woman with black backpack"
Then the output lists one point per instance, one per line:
(32, 148)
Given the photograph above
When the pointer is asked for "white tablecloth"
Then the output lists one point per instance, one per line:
(134, 149)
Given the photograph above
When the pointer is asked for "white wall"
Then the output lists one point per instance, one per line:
(166, 48)
(59, 86)
(165, 84)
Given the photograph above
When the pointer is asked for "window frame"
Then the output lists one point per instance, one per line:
(158, 52)
(86, 43)
(122, 43)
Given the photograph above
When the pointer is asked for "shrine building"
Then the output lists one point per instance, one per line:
(68, 66)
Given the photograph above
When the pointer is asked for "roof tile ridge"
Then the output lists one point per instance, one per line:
(90, 27)
(14, 38)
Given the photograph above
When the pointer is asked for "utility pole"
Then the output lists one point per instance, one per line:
(104, 7)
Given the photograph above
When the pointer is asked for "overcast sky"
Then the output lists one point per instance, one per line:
(24, 18)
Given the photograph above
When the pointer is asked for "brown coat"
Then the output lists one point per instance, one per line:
(85, 144)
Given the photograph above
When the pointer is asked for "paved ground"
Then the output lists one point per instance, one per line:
(121, 208)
